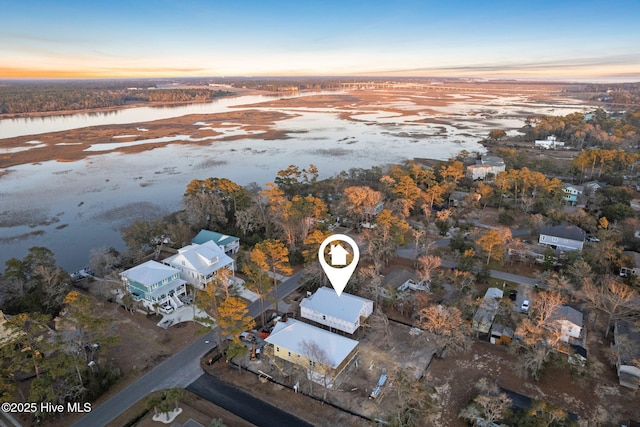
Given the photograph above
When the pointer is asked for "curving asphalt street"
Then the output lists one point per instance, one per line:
(180, 370)
(183, 369)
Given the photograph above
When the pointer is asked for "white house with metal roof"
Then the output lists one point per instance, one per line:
(229, 244)
(153, 283)
(198, 264)
(344, 312)
(550, 143)
(324, 354)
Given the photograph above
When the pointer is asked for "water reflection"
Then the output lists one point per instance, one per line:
(10, 128)
(74, 207)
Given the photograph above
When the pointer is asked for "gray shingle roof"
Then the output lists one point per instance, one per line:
(568, 313)
(564, 231)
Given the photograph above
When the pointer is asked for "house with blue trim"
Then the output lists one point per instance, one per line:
(229, 244)
(572, 193)
(154, 284)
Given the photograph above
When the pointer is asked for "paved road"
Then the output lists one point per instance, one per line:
(10, 419)
(236, 401)
(180, 370)
(409, 252)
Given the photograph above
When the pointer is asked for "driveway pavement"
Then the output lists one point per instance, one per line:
(180, 370)
(182, 314)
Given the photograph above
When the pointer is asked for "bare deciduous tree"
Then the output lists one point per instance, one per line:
(539, 332)
(103, 260)
(414, 400)
(447, 325)
(319, 361)
(488, 406)
(426, 265)
(612, 297)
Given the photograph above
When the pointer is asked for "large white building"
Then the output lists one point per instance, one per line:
(487, 165)
(550, 143)
(344, 312)
(198, 264)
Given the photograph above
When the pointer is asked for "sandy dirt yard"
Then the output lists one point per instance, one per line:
(143, 345)
(595, 396)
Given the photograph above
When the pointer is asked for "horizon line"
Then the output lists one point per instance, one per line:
(476, 79)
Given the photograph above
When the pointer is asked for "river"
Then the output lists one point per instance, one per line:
(72, 207)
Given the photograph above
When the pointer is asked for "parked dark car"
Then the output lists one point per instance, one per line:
(513, 295)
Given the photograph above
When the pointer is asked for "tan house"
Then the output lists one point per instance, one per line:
(323, 354)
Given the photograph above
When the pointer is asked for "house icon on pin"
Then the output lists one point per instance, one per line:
(338, 255)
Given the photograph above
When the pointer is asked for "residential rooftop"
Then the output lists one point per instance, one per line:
(149, 273)
(568, 313)
(564, 231)
(293, 335)
(345, 307)
(206, 258)
(218, 238)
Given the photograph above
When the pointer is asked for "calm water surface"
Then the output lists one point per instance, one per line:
(74, 207)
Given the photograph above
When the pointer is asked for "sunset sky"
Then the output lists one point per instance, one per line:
(560, 39)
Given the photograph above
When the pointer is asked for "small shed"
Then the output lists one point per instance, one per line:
(501, 334)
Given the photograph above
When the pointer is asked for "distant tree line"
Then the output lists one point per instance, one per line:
(579, 130)
(24, 98)
(618, 94)
(278, 85)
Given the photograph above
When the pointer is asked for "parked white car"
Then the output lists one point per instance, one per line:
(166, 309)
(525, 306)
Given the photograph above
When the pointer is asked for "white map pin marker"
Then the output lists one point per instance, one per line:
(339, 276)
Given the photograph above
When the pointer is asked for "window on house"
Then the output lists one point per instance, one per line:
(289, 353)
(278, 349)
(324, 317)
(554, 239)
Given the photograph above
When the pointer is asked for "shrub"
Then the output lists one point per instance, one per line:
(506, 219)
